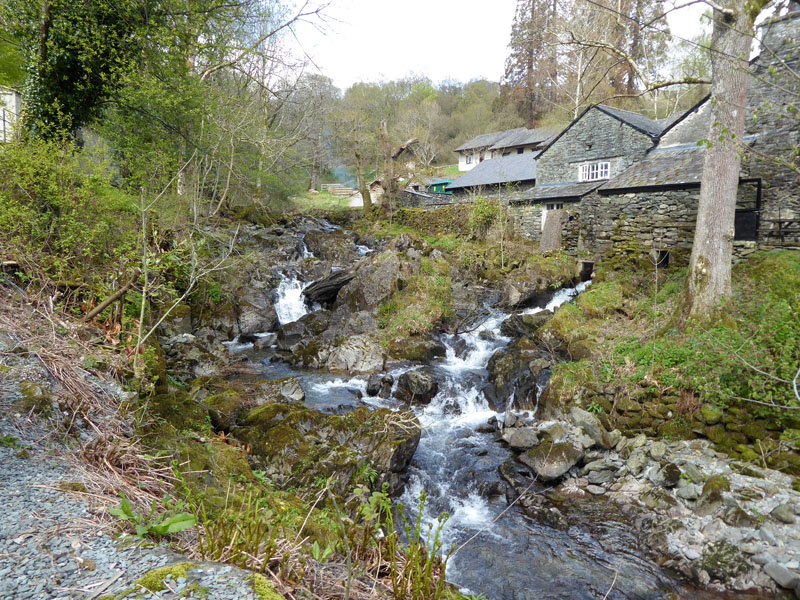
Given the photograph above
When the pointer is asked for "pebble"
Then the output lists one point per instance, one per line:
(595, 490)
(38, 557)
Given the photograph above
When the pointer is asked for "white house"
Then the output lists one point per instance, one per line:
(10, 109)
(502, 143)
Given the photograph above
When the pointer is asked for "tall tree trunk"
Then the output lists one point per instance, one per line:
(709, 277)
(362, 183)
(388, 183)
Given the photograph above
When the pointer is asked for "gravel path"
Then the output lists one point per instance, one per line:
(49, 550)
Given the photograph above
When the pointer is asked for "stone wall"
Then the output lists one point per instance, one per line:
(596, 136)
(526, 220)
(775, 119)
(658, 220)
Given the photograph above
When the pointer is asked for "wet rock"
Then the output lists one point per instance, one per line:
(380, 385)
(550, 461)
(358, 354)
(417, 387)
(784, 513)
(595, 490)
(264, 342)
(256, 312)
(521, 438)
(336, 247)
(782, 576)
(524, 325)
(592, 427)
(325, 290)
(671, 474)
(306, 327)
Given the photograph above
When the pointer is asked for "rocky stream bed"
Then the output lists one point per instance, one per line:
(543, 502)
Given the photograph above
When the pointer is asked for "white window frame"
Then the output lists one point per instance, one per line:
(468, 159)
(595, 171)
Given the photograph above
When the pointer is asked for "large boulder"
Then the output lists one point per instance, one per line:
(372, 283)
(524, 325)
(358, 354)
(592, 427)
(417, 387)
(336, 247)
(550, 461)
(306, 327)
(301, 445)
(256, 312)
(514, 370)
(535, 284)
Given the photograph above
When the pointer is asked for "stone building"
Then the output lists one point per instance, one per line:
(502, 143)
(621, 180)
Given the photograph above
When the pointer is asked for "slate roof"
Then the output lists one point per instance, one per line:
(510, 138)
(503, 169)
(481, 141)
(675, 165)
(524, 137)
(635, 120)
(565, 191)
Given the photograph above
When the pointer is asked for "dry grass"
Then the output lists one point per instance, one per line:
(112, 462)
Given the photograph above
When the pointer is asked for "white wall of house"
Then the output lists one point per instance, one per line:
(10, 108)
(463, 165)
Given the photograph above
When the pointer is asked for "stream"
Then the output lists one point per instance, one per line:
(507, 555)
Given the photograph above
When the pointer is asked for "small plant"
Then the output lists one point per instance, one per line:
(319, 554)
(594, 408)
(147, 525)
(418, 571)
(8, 441)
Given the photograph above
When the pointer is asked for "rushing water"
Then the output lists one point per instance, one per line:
(501, 552)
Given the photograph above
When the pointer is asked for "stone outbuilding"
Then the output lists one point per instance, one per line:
(621, 180)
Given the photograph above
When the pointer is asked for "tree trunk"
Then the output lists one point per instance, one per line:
(709, 277)
(362, 183)
(388, 182)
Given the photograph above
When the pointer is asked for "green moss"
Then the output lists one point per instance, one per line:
(263, 588)
(35, 399)
(72, 486)
(602, 299)
(153, 581)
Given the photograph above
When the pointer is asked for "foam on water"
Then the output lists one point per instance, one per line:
(289, 302)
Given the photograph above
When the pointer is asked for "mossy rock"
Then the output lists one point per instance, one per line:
(711, 414)
(787, 462)
(36, 399)
(264, 589)
(711, 498)
(723, 561)
(153, 581)
(299, 446)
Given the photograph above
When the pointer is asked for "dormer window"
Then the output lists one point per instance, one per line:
(594, 171)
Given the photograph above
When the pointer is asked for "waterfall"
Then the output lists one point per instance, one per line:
(289, 302)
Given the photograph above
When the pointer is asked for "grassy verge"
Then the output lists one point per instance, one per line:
(727, 378)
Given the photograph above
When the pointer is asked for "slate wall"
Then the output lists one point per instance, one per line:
(597, 136)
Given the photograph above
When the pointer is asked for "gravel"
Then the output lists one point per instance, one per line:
(48, 546)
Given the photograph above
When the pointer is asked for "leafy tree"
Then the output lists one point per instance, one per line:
(76, 55)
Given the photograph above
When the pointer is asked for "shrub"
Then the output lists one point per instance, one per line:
(61, 220)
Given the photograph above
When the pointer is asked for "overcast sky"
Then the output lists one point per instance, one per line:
(375, 40)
